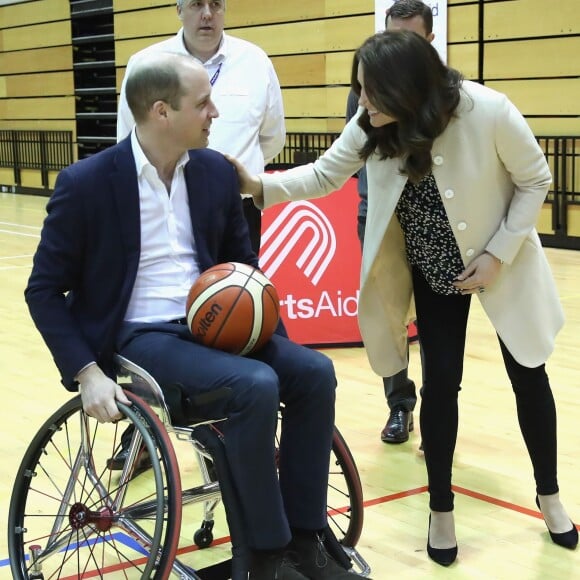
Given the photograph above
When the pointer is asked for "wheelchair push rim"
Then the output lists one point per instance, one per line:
(72, 517)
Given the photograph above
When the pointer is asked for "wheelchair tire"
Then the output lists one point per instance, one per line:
(71, 517)
(345, 497)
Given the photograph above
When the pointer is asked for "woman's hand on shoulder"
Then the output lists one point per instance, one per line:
(250, 184)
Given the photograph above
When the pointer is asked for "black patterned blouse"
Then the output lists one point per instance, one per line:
(429, 240)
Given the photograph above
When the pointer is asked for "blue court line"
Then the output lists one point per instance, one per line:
(120, 537)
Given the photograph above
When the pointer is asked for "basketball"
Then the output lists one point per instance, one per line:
(233, 307)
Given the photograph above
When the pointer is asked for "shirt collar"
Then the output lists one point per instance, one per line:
(220, 55)
(141, 161)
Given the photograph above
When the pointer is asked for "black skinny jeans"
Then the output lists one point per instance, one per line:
(442, 324)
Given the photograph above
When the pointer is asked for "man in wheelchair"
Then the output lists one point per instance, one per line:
(128, 230)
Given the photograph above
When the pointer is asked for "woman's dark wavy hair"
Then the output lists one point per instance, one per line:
(405, 79)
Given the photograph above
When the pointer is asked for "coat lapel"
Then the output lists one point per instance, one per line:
(126, 196)
(197, 188)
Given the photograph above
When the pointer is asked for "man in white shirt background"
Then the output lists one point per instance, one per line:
(245, 90)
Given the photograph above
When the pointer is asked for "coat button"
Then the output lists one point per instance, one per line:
(449, 194)
(470, 252)
(461, 226)
(438, 160)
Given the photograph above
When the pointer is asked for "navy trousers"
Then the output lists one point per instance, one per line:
(303, 380)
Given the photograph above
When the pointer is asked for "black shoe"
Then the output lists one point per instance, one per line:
(117, 463)
(314, 561)
(565, 539)
(398, 426)
(442, 556)
(274, 566)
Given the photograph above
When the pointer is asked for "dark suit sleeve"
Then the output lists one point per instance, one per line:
(223, 230)
(56, 270)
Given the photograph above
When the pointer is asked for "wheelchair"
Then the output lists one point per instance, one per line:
(71, 516)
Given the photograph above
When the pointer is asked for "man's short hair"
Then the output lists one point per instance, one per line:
(152, 81)
(404, 9)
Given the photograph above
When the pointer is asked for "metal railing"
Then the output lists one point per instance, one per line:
(53, 150)
(42, 150)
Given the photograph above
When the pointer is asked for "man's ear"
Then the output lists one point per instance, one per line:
(159, 110)
(431, 37)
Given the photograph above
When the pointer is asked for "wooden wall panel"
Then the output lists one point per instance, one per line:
(256, 12)
(301, 70)
(573, 220)
(32, 85)
(542, 97)
(464, 57)
(124, 49)
(38, 35)
(531, 18)
(545, 57)
(462, 23)
(561, 127)
(146, 24)
(320, 102)
(6, 176)
(544, 221)
(303, 37)
(34, 12)
(316, 69)
(339, 67)
(307, 37)
(315, 125)
(31, 178)
(40, 108)
(124, 6)
(40, 124)
(37, 60)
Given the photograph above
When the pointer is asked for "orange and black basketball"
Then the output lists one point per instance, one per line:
(233, 307)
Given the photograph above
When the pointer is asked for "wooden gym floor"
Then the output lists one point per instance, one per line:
(498, 527)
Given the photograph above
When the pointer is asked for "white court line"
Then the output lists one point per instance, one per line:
(2, 268)
(20, 234)
(16, 257)
(17, 225)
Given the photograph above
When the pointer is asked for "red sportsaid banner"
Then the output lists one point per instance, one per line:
(311, 252)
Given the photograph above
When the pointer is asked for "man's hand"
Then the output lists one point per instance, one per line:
(480, 274)
(250, 184)
(99, 395)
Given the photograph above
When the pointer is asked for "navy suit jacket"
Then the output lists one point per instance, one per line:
(85, 266)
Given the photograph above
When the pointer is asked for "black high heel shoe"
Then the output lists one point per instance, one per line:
(565, 539)
(442, 556)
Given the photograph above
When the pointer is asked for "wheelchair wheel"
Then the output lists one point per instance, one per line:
(71, 517)
(345, 498)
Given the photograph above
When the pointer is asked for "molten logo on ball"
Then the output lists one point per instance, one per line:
(206, 322)
(233, 307)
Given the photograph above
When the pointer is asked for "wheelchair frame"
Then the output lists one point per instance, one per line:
(81, 521)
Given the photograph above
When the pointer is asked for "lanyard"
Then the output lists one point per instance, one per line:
(216, 74)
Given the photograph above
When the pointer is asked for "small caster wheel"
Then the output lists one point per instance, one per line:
(204, 536)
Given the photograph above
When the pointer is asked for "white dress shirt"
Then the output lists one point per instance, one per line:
(246, 93)
(168, 262)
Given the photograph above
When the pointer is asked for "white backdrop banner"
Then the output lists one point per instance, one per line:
(439, 9)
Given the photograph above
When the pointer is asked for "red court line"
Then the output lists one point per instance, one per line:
(464, 491)
(385, 499)
(394, 496)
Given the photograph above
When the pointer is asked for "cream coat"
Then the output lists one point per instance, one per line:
(493, 179)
